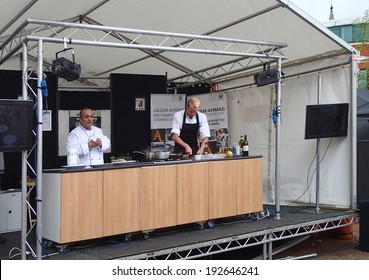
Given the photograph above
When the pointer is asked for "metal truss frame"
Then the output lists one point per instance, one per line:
(231, 243)
(30, 75)
(153, 43)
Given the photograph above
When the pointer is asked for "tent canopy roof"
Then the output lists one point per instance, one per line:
(299, 37)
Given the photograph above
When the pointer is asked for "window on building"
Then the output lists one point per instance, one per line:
(358, 34)
(349, 33)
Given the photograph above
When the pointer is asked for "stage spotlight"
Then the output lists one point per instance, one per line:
(270, 76)
(64, 68)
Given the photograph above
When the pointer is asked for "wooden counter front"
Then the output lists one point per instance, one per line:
(122, 201)
(250, 186)
(72, 205)
(93, 203)
(223, 180)
(192, 193)
(158, 196)
(235, 187)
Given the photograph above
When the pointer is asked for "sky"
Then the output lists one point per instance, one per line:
(342, 9)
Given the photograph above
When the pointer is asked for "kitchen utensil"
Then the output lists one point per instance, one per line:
(176, 156)
(162, 155)
(148, 154)
(185, 156)
(197, 157)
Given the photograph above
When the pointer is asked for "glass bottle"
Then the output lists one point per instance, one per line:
(241, 143)
(245, 149)
(223, 146)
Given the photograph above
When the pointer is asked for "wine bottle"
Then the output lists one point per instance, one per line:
(241, 143)
(245, 149)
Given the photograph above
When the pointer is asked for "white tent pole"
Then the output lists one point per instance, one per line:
(353, 163)
(39, 151)
(317, 178)
(277, 142)
(24, 161)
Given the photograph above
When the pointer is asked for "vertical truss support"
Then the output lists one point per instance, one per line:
(26, 205)
(277, 144)
(39, 151)
(24, 161)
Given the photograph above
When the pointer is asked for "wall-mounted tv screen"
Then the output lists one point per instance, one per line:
(326, 120)
(16, 123)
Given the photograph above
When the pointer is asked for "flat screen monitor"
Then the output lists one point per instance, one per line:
(16, 123)
(326, 120)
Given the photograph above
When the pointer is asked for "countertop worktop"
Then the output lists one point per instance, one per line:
(131, 164)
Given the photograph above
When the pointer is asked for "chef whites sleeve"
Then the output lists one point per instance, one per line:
(105, 142)
(177, 123)
(204, 126)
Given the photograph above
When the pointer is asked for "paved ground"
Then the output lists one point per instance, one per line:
(342, 244)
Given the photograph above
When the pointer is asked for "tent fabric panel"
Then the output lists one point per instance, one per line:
(296, 153)
(268, 20)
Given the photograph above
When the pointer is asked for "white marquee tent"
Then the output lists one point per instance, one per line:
(315, 62)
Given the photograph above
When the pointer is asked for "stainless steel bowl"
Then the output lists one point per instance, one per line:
(162, 155)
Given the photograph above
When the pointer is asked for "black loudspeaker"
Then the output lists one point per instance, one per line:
(65, 68)
(269, 76)
(364, 226)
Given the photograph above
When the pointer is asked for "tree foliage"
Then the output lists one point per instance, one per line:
(362, 28)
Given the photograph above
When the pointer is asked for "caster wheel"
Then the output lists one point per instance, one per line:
(47, 244)
(127, 238)
(201, 226)
(211, 224)
(62, 248)
(146, 236)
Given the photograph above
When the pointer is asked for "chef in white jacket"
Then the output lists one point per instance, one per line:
(88, 139)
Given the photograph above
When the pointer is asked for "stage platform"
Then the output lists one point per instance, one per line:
(259, 233)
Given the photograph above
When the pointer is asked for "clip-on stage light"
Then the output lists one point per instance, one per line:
(65, 68)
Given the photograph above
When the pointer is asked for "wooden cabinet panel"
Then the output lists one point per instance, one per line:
(250, 187)
(86, 205)
(81, 206)
(235, 187)
(158, 197)
(122, 192)
(192, 193)
(222, 188)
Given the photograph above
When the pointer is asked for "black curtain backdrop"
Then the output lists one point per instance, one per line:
(131, 128)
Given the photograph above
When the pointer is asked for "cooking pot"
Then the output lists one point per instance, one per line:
(154, 155)
(162, 155)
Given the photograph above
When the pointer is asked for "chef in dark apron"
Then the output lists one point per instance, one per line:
(189, 125)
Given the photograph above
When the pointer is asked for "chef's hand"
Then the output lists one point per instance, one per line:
(94, 143)
(200, 151)
(188, 150)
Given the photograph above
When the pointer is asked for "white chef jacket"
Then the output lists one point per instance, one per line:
(79, 138)
(178, 122)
